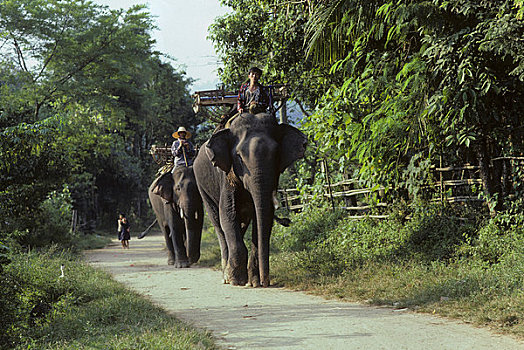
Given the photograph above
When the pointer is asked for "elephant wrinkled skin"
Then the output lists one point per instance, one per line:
(237, 172)
(178, 208)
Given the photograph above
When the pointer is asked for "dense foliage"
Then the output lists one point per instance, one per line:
(387, 82)
(83, 96)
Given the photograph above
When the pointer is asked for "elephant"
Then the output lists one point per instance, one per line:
(179, 212)
(237, 172)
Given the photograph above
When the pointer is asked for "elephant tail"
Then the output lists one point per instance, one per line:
(143, 234)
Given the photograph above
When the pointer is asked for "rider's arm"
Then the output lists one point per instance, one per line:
(241, 98)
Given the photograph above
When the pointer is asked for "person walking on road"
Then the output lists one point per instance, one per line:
(124, 234)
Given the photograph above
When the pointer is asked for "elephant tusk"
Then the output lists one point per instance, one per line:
(276, 203)
(181, 213)
(196, 215)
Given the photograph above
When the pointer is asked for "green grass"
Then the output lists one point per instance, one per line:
(86, 309)
(92, 241)
(209, 248)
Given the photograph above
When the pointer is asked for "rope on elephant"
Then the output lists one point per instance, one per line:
(165, 169)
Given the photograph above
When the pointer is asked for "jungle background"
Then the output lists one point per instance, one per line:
(385, 90)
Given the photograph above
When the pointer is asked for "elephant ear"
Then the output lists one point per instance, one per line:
(292, 145)
(218, 149)
(163, 187)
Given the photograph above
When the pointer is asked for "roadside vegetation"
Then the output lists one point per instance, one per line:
(81, 309)
(467, 268)
(83, 96)
(389, 91)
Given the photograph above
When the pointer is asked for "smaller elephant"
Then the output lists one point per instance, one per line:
(179, 211)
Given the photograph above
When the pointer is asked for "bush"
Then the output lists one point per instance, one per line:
(49, 225)
(435, 233)
(9, 304)
(327, 244)
(359, 241)
(496, 240)
(83, 309)
(29, 283)
(53, 225)
(307, 228)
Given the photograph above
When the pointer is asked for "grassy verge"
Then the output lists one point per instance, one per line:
(94, 241)
(435, 263)
(85, 309)
(209, 247)
(458, 290)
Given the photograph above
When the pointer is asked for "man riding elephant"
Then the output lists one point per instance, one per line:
(182, 149)
(252, 98)
(179, 212)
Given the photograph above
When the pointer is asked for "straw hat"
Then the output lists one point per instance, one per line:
(176, 136)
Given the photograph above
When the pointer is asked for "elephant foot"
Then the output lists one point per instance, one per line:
(194, 259)
(237, 278)
(182, 264)
(235, 282)
(253, 277)
(265, 282)
(254, 281)
(170, 261)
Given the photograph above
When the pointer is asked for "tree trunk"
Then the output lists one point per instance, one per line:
(490, 177)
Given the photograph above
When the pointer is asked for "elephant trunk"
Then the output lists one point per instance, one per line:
(193, 220)
(264, 211)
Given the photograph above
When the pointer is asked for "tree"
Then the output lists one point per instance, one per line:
(268, 34)
(392, 83)
(83, 97)
(432, 77)
(58, 45)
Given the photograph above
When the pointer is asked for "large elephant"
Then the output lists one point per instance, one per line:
(237, 172)
(178, 208)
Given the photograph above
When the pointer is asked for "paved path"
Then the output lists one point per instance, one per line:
(275, 318)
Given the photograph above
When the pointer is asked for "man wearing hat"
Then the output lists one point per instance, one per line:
(182, 149)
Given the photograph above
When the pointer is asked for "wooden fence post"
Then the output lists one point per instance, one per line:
(283, 112)
(74, 220)
(326, 172)
(441, 182)
(286, 200)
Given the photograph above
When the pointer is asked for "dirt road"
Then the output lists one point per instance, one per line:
(275, 318)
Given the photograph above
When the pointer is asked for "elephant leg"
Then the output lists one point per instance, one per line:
(177, 237)
(193, 225)
(169, 245)
(236, 268)
(252, 265)
(212, 211)
(177, 230)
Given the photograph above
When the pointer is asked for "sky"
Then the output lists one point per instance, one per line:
(181, 34)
